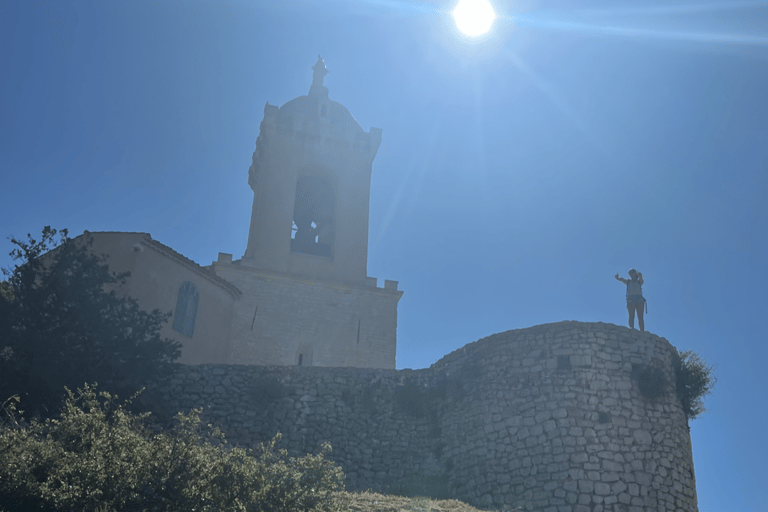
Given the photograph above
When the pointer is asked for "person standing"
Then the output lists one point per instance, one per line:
(635, 300)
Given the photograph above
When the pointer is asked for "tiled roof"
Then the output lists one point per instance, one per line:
(205, 272)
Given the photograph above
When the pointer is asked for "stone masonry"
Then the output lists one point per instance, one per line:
(281, 317)
(550, 418)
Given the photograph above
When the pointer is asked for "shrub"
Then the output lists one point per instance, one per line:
(695, 380)
(98, 456)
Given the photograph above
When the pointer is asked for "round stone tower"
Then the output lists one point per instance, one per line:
(572, 416)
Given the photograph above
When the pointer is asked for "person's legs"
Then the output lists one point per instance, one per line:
(640, 323)
(631, 311)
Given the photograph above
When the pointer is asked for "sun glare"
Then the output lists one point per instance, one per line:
(474, 17)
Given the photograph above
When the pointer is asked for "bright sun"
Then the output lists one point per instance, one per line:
(474, 17)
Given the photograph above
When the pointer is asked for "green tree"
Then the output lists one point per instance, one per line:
(63, 323)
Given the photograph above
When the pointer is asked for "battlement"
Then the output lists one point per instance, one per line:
(552, 417)
(226, 259)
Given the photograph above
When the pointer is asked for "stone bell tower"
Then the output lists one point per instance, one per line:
(311, 180)
(307, 297)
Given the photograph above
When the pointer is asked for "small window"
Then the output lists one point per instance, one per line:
(301, 359)
(186, 309)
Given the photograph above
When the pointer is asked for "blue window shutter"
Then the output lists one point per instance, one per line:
(186, 309)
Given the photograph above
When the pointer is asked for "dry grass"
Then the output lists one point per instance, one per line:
(372, 502)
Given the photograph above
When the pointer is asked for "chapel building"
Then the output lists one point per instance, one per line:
(300, 295)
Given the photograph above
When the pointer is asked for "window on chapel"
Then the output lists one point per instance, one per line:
(186, 309)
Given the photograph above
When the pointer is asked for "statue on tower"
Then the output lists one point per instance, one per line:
(319, 71)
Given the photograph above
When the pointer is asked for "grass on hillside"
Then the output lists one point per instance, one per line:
(373, 502)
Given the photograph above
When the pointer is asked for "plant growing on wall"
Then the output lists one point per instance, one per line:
(695, 380)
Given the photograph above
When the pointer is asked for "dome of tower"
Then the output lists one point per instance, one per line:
(310, 113)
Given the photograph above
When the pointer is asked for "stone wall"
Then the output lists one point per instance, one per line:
(550, 418)
(281, 317)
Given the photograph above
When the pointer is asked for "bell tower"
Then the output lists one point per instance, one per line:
(306, 297)
(311, 180)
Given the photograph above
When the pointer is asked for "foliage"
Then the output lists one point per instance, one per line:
(63, 322)
(99, 456)
(695, 380)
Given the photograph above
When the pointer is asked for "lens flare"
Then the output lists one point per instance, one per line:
(474, 17)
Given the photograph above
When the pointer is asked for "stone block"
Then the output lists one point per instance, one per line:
(580, 458)
(642, 436)
(643, 478)
(581, 360)
(602, 489)
(618, 487)
(609, 465)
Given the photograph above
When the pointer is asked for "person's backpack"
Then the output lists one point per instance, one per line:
(634, 288)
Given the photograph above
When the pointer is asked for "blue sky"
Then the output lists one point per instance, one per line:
(517, 174)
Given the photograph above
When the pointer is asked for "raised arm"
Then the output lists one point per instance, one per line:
(625, 281)
(640, 278)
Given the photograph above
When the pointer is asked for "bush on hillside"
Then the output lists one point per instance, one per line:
(97, 456)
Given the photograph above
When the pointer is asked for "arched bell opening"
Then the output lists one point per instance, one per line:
(314, 222)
